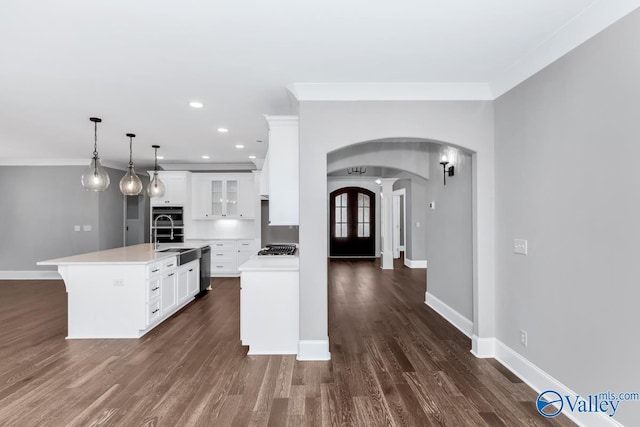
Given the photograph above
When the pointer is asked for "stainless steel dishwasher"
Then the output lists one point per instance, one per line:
(205, 270)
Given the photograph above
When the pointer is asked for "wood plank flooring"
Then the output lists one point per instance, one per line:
(395, 362)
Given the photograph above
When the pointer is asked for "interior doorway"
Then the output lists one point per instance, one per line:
(352, 223)
(399, 222)
(134, 227)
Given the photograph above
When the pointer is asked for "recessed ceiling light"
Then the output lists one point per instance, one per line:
(239, 146)
(160, 157)
(252, 157)
(223, 130)
(196, 104)
(205, 157)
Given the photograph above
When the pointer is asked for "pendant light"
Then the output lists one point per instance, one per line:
(156, 187)
(130, 184)
(95, 178)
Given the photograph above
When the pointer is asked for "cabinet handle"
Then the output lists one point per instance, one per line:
(219, 244)
(155, 271)
(191, 269)
(219, 254)
(155, 311)
(169, 265)
(156, 288)
(171, 274)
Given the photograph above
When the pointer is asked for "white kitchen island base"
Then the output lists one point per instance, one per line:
(269, 305)
(124, 292)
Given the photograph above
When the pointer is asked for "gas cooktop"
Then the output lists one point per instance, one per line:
(271, 250)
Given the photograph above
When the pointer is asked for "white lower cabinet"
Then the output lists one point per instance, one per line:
(168, 291)
(228, 255)
(188, 281)
(153, 311)
(193, 274)
(269, 311)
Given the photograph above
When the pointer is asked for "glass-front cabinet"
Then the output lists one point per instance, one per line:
(223, 197)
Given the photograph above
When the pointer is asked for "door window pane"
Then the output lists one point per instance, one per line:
(341, 215)
(363, 215)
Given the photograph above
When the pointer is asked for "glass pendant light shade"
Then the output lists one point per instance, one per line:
(130, 184)
(156, 187)
(95, 178)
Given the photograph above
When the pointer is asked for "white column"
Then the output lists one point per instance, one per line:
(387, 223)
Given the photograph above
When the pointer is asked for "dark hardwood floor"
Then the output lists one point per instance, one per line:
(394, 362)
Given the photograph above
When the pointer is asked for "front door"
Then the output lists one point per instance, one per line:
(352, 223)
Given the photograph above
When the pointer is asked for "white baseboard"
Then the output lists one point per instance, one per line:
(483, 348)
(314, 350)
(421, 263)
(456, 319)
(541, 381)
(30, 275)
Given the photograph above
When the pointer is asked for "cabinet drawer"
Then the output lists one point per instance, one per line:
(222, 256)
(154, 269)
(154, 289)
(222, 244)
(153, 312)
(169, 263)
(246, 245)
(223, 267)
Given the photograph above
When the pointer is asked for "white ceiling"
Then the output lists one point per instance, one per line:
(137, 64)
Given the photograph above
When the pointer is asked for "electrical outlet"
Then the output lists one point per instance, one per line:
(118, 282)
(523, 337)
(76, 228)
(520, 246)
(86, 227)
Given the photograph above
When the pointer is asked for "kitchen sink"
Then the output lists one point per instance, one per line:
(184, 255)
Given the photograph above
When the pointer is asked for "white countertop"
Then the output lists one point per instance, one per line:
(136, 254)
(271, 263)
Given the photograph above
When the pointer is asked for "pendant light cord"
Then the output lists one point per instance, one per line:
(130, 151)
(156, 164)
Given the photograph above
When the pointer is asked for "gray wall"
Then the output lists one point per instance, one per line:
(275, 233)
(40, 213)
(566, 143)
(448, 234)
(328, 126)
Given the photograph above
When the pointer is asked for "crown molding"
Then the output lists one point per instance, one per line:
(594, 19)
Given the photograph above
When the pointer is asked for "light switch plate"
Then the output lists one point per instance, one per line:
(76, 228)
(86, 227)
(520, 246)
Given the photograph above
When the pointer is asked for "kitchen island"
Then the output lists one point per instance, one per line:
(269, 304)
(124, 292)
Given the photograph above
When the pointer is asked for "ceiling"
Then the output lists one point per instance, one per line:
(137, 65)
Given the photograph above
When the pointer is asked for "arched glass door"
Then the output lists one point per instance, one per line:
(352, 222)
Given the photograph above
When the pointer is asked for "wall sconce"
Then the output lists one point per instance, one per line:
(446, 171)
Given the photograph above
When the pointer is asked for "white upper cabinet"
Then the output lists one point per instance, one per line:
(217, 196)
(177, 188)
(283, 170)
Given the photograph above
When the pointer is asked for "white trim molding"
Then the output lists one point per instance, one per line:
(540, 381)
(420, 263)
(483, 348)
(463, 324)
(30, 275)
(314, 350)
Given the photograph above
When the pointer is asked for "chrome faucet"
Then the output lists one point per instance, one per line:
(155, 228)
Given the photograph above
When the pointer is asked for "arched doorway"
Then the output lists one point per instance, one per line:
(352, 223)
